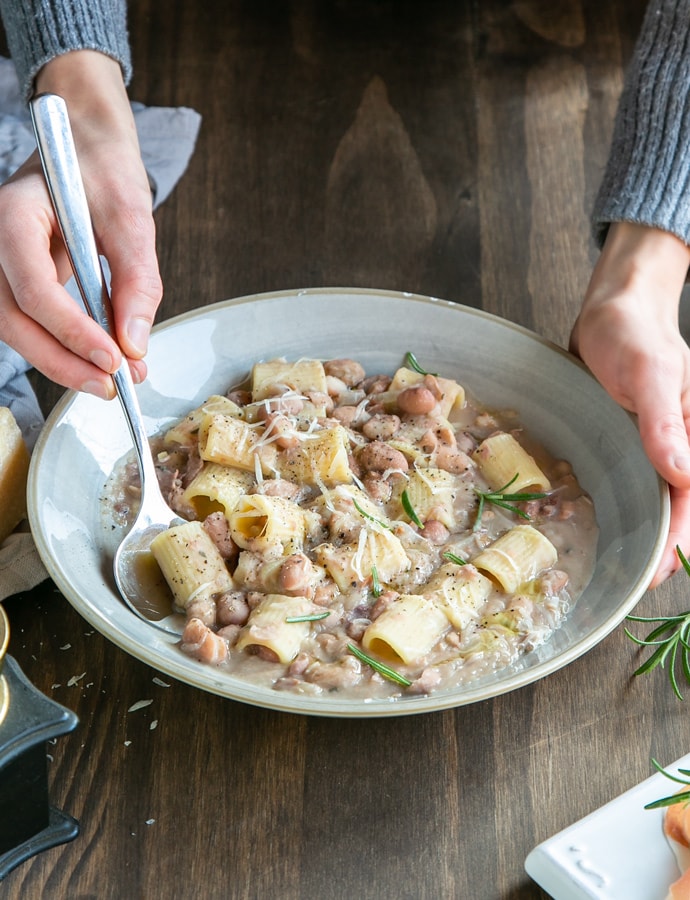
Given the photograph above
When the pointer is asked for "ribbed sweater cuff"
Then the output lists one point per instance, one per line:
(39, 30)
(647, 177)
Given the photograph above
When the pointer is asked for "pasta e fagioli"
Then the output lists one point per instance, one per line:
(331, 509)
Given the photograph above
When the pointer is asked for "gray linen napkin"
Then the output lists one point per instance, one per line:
(167, 137)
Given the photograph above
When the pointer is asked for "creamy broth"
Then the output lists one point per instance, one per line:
(375, 547)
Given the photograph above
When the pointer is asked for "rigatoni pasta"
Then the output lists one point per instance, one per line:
(407, 630)
(517, 557)
(345, 524)
(230, 441)
(319, 459)
(216, 488)
(191, 563)
(270, 524)
(503, 461)
(459, 591)
(278, 624)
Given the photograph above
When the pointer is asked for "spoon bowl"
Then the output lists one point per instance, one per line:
(137, 575)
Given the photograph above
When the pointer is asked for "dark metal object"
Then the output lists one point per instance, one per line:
(28, 823)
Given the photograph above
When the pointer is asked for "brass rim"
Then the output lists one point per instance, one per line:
(4, 641)
(4, 634)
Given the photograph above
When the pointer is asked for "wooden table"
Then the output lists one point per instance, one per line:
(447, 148)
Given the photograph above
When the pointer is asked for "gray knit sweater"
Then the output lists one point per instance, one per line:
(647, 178)
(39, 30)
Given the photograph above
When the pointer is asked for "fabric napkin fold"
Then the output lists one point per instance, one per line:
(167, 137)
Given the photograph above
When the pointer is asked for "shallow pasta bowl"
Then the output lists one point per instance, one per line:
(503, 365)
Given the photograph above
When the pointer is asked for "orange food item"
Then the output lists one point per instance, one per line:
(680, 890)
(676, 823)
(677, 829)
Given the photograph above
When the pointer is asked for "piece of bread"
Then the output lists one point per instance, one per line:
(14, 469)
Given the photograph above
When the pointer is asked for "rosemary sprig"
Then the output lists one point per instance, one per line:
(680, 797)
(369, 516)
(379, 667)
(671, 638)
(376, 588)
(308, 617)
(505, 500)
(451, 557)
(412, 363)
(410, 510)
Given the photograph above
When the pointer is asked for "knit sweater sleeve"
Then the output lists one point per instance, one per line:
(39, 30)
(647, 177)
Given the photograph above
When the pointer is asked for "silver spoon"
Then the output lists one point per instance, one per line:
(137, 575)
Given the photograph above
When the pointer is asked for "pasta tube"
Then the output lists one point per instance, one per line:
(185, 432)
(216, 488)
(407, 630)
(302, 419)
(353, 564)
(459, 591)
(262, 523)
(516, 557)
(500, 458)
(191, 563)
(267, 626)
(431, 493)
(233, 442)
(321, 458)
(301, 376)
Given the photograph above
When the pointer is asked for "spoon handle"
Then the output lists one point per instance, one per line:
(63, 176)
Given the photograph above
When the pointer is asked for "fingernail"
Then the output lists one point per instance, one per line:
(97, 388)
(102, 359)
(682, 463)
(138, 334)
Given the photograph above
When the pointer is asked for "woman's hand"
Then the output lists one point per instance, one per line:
(627, 334)
(37, 316)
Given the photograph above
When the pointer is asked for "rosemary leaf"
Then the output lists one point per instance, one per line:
(652, 662)
(410, 510)
(685, 663)
(369, 516)
(668, 801)
(308, 617)
(506, 500)
(670, 640)
(679, 618)
(680, 797)
(672, 670)
(451, 557)
(379, 667)
(376, 588)
(657, 765)
(412, 363)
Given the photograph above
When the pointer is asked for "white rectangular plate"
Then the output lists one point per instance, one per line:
(618, 851)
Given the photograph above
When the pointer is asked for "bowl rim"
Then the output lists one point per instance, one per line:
(263, 697)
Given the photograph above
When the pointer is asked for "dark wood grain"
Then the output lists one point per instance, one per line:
(448, 148)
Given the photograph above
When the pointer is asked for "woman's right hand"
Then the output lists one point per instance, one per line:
(38, 318)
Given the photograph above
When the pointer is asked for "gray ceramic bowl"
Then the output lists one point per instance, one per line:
(504, 365)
